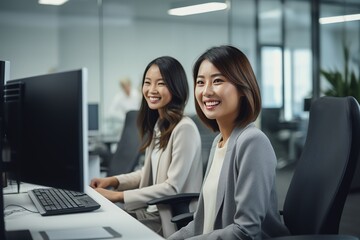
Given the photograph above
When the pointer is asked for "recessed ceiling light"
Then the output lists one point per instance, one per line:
(185, 8)
(52, 2)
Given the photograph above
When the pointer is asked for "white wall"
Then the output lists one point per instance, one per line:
(29, 42)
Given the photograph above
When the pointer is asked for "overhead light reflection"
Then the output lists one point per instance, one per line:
(338, 19)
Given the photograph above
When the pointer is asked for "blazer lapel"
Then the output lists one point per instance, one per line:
(224, 172)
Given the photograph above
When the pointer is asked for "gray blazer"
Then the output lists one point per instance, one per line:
(179, 171)
(246, 202)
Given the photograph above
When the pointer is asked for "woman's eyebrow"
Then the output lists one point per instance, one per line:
(212, 75)
(216, 75)
(156, 80)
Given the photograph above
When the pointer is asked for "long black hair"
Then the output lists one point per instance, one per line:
(174, 76)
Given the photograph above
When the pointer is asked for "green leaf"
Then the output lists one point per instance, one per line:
(342, 84)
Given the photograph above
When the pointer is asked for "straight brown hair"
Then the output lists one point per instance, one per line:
(235, 66)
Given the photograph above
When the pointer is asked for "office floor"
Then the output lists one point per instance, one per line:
(350, 221)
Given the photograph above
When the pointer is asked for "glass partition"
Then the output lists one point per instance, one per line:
(242, 28)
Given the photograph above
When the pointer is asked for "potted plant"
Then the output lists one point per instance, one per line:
(344, 83)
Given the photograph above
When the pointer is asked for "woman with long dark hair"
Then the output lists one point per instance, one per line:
(172, 148)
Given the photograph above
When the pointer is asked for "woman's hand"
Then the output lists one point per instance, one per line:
(104, 182)
(113, 196)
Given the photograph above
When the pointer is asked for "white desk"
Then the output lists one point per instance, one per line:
(108, 215)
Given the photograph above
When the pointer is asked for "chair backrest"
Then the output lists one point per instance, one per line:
(207, 137)
(127, 152)
(322, 177)
(270, 118)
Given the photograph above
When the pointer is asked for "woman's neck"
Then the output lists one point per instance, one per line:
(160, 111)
(226, 130)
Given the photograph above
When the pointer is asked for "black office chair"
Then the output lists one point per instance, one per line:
(180, 203)
(127, 152)
(323, 175)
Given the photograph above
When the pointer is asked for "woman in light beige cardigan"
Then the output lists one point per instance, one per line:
(172, 149)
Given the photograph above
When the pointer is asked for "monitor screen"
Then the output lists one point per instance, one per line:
(46, 128)
(93, 118)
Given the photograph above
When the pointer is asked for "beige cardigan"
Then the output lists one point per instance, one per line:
(179, 171)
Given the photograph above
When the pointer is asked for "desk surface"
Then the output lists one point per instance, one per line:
(109, 215)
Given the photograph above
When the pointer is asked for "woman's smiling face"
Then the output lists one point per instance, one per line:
(154, 89)
(217, 97)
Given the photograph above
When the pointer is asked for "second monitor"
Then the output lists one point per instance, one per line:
(93, 119)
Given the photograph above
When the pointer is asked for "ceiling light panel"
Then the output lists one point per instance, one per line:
(52, 2)
(196, 7)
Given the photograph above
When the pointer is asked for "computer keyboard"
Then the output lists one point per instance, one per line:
(53, 201)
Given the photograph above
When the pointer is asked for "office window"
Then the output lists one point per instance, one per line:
(302, 79)
(271, 76)
(298, 81)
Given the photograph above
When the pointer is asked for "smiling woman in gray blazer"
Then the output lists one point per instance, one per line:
(238, 198)
(172, 149)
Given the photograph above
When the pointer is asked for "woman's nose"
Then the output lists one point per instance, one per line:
(208, 90)
(153, 88)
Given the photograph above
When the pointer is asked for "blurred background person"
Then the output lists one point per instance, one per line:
(128, 98)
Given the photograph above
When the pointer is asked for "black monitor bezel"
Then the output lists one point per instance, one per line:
(73, 174)
(4, 74)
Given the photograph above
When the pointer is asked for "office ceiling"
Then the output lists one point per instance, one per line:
(154, 10)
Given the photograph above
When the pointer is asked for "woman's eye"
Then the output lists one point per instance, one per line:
(161, 83)
(218, 80)
(146, 82)
(199, 82)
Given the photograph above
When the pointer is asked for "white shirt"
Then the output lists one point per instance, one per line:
(122, 103)
(210, 187)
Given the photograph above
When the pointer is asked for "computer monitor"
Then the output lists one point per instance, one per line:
(2, 224)
(46, 128)
(4, 74)
(93, 119)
